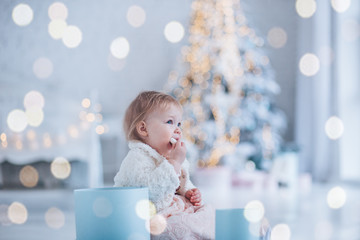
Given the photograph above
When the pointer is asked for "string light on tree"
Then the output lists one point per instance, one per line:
(226, 87)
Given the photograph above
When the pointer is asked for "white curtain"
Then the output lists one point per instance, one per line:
(332, 91)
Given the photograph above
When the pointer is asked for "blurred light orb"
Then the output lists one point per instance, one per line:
(60, 168)
(250, 166)
(34, 99)
(3, 137)
(100, 129)
(73, 131)
(43, 68)
(56, 28)
(17, 213)
(86, 103)
(90, 117)
(305, 8)
(309, 64)
(18, 144)
(340, 5)
(336, 197)
(22, 14)
(116, 64)
(29, 176)
(174, 31)
(157, 225)
(254, 211)
(54, 218)
(102, 207)
(58, 10)
(17, 120)
(31, 135)
(120, 47)
(145, 209)
(281, 232)
(72, 36)
(34, 116)
(277, 37)
(47, 142)
(334, 128)
(136, 16)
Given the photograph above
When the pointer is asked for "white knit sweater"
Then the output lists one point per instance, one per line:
(143, 166)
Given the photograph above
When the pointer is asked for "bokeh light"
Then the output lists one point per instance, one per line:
(3, 137)
(34, 99)
(281, 232)
(86, 103)
(340, 5)
(43, 68)
(47, 142)
(309, 64)
(90, 117)
(29, 176)
(120, 47)
(56, 28)
(277, 37)
(100, 129)
(254, 211)
(157, 224)
(174, 32)
(334, 128)
(72, 36)
(31, 135)
(250, 166)
(17, 120)
(305, 8)
(136, 16)
(22, 14)
(34, 116)
(17, 213)
(102, 207)
(336, 197)
(58, 10)
(73, 131)
(145, 209)
(55, 218)
(60, 168)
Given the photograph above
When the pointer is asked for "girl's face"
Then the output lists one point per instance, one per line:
(161, 125)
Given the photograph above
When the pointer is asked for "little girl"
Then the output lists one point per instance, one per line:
(157, 160)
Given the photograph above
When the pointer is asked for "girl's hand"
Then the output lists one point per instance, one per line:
(177, 155)
(194, 196)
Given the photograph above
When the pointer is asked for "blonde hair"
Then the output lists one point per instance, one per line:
(145, 103)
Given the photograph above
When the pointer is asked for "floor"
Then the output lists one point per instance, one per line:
(306, 213)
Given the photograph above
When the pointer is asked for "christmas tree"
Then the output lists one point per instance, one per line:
(226, 86)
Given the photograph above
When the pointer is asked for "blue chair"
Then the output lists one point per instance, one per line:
(110, 213)
(232, 225)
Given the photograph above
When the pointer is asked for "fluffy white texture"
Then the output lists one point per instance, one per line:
(143, 166)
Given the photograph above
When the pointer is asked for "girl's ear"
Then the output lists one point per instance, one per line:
(141, 129)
